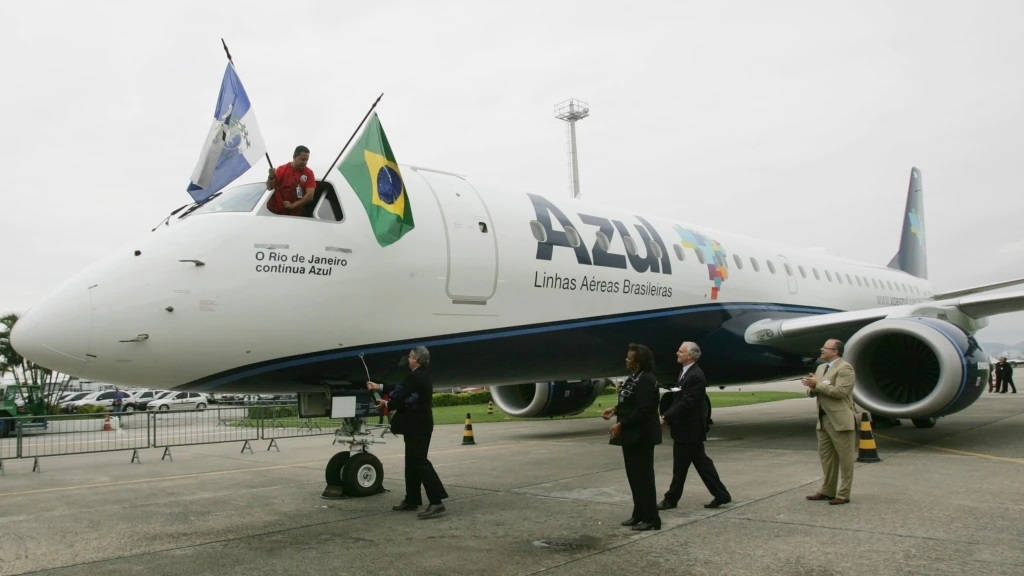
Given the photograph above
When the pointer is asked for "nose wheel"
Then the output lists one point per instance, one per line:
(354, 472)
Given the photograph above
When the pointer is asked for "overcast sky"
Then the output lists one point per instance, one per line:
(747, 116)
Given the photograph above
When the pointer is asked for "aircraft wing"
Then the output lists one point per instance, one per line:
(801, 334)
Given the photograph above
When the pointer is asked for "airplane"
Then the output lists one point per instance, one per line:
(535, 298)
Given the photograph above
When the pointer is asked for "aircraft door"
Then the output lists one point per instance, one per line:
(472, 248)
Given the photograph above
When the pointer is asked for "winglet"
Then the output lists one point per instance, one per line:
(912, 255)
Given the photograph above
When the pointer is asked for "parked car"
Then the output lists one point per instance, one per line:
(141, 399)
(180, 401)
(104, 399)
(66, 402)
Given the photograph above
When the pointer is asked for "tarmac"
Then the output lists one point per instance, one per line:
(536, 497)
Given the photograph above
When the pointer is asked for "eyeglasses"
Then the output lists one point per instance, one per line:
(827, 348)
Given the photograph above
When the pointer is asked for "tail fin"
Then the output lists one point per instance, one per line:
(912, 256)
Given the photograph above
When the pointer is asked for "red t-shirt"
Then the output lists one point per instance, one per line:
(291, 185)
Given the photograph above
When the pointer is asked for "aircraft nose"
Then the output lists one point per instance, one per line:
(55, 332)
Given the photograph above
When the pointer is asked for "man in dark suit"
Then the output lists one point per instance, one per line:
(687, 418)
(1004, 376)
(412, 401)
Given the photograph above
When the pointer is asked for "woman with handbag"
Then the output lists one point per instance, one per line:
(411, 404)
(638, 430)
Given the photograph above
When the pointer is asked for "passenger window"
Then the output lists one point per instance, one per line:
(656, 251)
(816, 275)
(573, 236)
(788, 268)
(753, 262)
(539, 233)
(803, 273)
(738, 261)
(602, 241)
(680, 253)
(828, 275)
(700, 256)
(849, 280)
(771, 267)
(839, 277)
(630, 245)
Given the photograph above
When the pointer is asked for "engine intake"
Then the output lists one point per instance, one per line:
(916, 368)
(559, 398)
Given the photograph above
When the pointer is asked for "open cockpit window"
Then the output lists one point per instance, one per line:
(327, 206)
(235, 199)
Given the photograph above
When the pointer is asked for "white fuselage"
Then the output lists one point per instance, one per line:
(242, 292)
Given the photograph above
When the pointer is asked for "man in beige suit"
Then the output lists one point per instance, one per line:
(832, 385)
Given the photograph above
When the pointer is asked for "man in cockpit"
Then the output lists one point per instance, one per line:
(293, 185)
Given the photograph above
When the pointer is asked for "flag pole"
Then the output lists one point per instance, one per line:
(228, 52)
(356, 131)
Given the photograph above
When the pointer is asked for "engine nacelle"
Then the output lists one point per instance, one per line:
(558, 398)
(916, 368)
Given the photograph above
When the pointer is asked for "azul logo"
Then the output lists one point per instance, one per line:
(655, 258)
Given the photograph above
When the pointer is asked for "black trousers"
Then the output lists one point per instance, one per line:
(1007, 381)
(420, 472)
(639, 460)
(684, 454)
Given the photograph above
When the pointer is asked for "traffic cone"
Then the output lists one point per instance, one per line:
(866, 449)
(107, 426)
(490, 408)
(467, 435)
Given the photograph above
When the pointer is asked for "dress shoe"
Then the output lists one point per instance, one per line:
(404, 506)
(666, 505)
(819, 496)
(644, 526)
(630, 522)
(717, 502)
(835, 501)
(431, 511)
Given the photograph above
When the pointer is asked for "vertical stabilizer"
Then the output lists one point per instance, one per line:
(912, 256)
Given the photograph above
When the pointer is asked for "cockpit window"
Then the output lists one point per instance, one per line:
(236, 199)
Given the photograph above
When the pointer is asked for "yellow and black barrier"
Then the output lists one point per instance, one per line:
(867, 451)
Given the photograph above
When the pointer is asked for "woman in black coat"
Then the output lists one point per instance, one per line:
(638, 430)
(411, 402)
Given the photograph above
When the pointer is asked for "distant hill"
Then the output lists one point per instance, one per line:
(995, 348)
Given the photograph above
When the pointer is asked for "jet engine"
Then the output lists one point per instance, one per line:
(917, 368)
(558, 398)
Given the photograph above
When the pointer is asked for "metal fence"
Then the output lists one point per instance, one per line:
(36, 437)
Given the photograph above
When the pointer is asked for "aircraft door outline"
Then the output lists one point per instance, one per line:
(469, 234)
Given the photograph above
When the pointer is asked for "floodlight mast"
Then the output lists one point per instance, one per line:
(570, 111)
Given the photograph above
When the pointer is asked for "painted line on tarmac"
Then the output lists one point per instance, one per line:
(236, 471)
(954, 450)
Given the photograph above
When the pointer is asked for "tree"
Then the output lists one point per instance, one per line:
(51, 384)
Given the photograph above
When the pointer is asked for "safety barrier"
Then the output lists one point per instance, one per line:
(36, 437)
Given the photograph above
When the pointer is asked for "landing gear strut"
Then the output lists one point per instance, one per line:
(354, 472)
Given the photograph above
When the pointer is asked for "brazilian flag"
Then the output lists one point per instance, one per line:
(372, 171)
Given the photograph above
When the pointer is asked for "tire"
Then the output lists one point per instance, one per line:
(334, 468)
(363, 475)
(923, 422)
(200, 406)
(164, 407)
